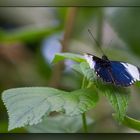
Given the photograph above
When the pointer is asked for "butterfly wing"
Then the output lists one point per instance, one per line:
(125, 74)
(118, 73)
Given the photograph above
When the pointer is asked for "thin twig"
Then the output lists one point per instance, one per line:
(69, 24)
(58, 68)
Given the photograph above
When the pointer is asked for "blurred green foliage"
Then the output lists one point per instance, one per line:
(125, 22)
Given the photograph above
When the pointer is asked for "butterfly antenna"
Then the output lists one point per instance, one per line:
(97, 43)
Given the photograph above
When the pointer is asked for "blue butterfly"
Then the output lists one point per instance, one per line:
(115, 72)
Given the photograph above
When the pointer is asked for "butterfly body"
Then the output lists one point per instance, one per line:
(115, 72)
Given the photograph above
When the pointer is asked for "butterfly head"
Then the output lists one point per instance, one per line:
(104, 57)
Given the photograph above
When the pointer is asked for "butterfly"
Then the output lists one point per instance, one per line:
(115, 72)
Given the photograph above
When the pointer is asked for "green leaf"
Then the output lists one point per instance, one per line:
(76, 67)
(83, 68)
(132, 123)
(88, 72)
(59, 124)
(118, 97)
(27, 106)
(61, 56)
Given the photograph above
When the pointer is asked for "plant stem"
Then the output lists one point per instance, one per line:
(68, 29)
(83, 83)
(84, 123)
(58, 68)
(84, 114)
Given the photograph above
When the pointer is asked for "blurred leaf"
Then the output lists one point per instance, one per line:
(27, 106)
(59, 124)
(80, 23)
(127, 26)
(61, 56)
(132, 123)
(27, 35)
